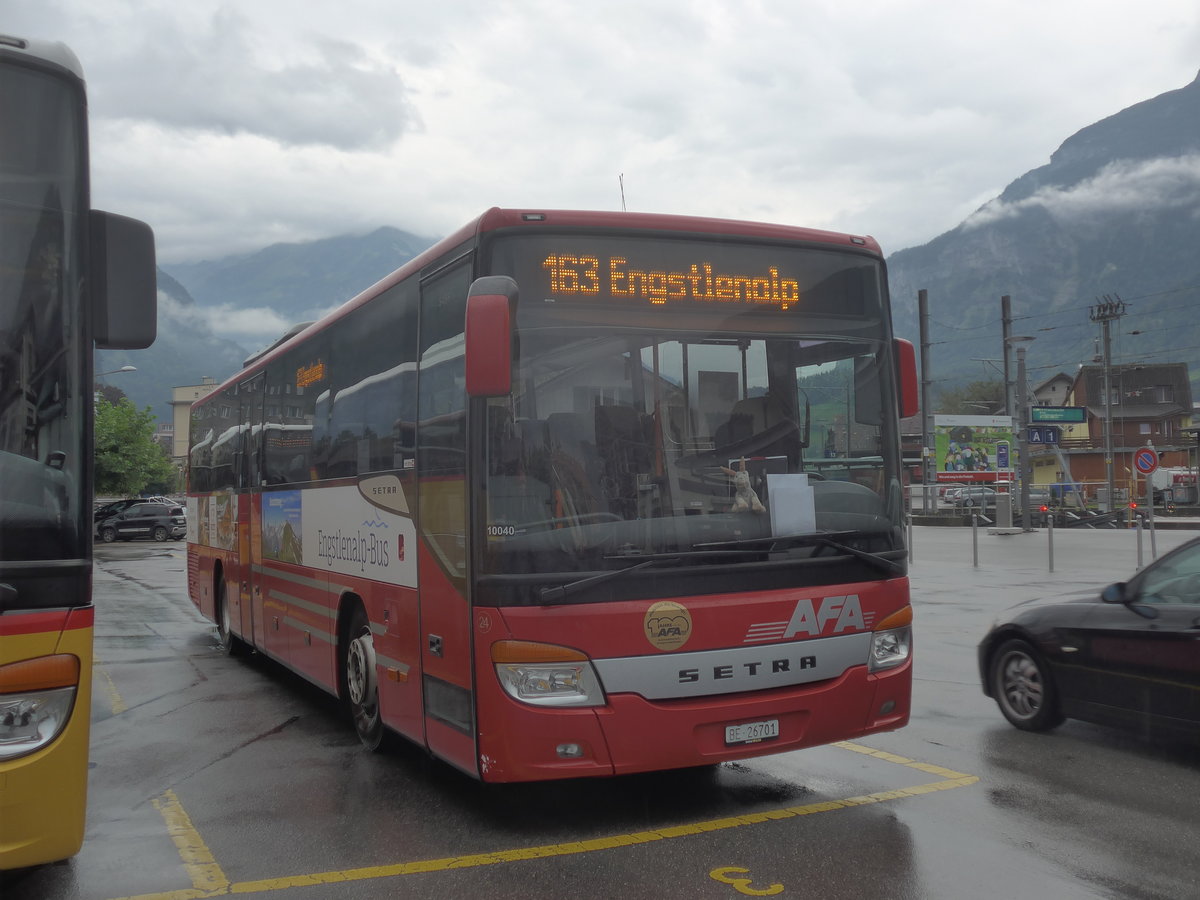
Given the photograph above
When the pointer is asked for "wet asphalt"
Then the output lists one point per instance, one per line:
(213, 776)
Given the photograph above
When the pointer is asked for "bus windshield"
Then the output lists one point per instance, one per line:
(618, 446)
(42, 416)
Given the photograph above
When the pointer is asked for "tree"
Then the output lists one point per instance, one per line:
(109, 392)
(127, 459)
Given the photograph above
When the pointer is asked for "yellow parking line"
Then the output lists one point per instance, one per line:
(209, 881)
(207, 878)
(115, 701)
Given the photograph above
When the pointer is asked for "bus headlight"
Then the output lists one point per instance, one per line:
(891, 643)
(546, 674)
(36, 697)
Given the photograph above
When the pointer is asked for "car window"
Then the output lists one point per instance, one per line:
(1176, 580)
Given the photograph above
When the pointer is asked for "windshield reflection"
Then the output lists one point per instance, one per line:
(614, 447)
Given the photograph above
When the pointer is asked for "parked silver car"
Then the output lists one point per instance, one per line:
(971, 495)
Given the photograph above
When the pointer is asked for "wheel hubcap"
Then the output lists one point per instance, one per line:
(1023, 689)
(360, 670)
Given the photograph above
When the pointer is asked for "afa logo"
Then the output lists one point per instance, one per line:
(668, 625)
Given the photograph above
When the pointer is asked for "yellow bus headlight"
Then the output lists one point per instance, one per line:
(36, 697)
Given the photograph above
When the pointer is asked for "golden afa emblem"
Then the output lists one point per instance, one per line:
(668, 625)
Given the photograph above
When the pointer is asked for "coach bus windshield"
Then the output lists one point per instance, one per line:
(42, 392)
(618, 445)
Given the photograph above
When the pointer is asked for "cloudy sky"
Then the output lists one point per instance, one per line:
(229, 126)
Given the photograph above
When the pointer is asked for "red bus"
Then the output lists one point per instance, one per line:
(557, 497)
(70, 277)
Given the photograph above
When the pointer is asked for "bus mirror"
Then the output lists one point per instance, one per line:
(123, 285)
(491, 306)
(906, 378)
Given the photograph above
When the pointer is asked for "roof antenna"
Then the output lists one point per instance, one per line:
(621, 181)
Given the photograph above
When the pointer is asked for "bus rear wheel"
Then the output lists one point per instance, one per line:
(362, 685)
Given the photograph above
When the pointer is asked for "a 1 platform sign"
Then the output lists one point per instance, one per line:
(1145, 461)
(1042, 434)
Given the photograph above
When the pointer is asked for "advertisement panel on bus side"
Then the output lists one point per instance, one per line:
(337, 529)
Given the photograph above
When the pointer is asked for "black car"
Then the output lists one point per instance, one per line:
(160, 521)
(108, 510)
(1128, 657)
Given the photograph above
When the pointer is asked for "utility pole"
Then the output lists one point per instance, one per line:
(1010, 407)
(1105, 311)
(928, 473)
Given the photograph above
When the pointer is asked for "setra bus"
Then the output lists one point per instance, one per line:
(549, 500)
(70, 276)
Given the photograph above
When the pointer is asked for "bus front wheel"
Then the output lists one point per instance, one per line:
(362, 686)
(231, 644)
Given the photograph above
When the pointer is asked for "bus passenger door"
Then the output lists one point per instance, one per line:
(446, 636)
(250, 622)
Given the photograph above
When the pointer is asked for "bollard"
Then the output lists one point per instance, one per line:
(975, 539)
(1050, 540)
(1139, 542)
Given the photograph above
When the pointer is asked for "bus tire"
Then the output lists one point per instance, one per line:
(231, 644)
(362, 685)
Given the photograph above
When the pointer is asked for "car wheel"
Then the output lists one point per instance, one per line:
(160, 534)
(1023, 687)
(231, 644)
(968, 502)
(108, 535)
(362, 687)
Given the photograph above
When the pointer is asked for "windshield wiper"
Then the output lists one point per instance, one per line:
(874, 559)
(818, 538)
(554, 594)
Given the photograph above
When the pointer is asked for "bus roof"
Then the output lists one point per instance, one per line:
(51, 54)
(497, 219)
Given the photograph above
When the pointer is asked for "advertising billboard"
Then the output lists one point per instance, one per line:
(974, 448)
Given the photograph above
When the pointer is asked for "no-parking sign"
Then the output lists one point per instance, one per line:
(1145, 460)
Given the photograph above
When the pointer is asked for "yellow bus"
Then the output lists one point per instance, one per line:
(70, 278)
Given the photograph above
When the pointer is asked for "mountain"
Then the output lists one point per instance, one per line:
(292, 283)
(1115, 213)
(185, 350)
(271, 288)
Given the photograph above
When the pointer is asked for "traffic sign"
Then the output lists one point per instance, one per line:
(1042, 434)
(1145, 460)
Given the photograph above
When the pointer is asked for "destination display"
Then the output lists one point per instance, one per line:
(1069, 414)
(586, 275)
(664, 272)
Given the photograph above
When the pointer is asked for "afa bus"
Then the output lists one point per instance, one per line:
(70, 278)
(555, 498)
